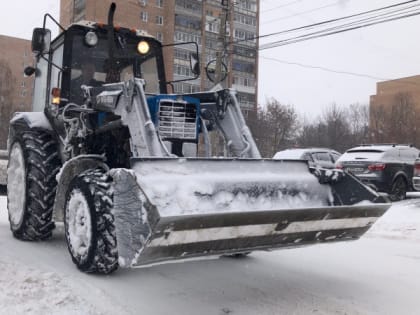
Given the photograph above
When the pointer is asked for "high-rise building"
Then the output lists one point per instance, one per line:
(15, 88)
(199, 21)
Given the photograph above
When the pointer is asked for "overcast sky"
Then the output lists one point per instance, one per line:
(387, 51)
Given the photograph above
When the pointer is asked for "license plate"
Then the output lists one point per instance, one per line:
(355, 169)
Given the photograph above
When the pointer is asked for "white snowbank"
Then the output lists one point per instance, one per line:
(401, 221)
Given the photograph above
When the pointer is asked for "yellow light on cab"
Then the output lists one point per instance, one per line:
(56, 96)
(143, 47)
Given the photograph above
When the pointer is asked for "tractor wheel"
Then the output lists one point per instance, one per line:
(398, 189)
(31, 184)
(89, 223)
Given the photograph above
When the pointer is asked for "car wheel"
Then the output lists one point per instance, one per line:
(398, 189)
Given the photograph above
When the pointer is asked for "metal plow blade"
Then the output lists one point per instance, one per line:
(177, 208)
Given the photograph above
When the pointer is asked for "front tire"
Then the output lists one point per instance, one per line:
(89, 223)
(31, 185)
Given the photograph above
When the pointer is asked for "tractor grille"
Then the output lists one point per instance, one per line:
(177, 120)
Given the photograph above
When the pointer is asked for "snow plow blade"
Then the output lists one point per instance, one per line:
(168, 209)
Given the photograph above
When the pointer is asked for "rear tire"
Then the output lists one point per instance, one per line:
(89, 223)
(31, 170)
(398, 189)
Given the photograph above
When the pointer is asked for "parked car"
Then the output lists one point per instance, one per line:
(385, 167)
(320, 157)
(416, 175)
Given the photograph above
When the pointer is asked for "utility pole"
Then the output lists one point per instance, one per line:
(221, 41)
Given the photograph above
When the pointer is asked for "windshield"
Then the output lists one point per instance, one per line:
(97, 65)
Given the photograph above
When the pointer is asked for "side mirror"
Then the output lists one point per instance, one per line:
(211, 72)
(28, 71)
(195, 63)
(41, 40)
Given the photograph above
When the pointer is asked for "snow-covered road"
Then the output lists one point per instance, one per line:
(378, 274)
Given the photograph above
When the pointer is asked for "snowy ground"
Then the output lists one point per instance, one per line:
(378, 274)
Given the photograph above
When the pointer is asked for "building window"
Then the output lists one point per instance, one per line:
(182, 71)
(245, 19)
(159, 36)
(191, 5)
(159, 3)
(188, 21)
(143, 16)
(244, 35)
(181, 54)
(249, 5)
(159, 20)
(187, 37)
(79, 9)
(143, 2)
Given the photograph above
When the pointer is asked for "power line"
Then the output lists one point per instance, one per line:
(324, 22)
(281, 6)
(325, 69)
(368, 76)
(311, 36)
(368, 19)
(300, 13)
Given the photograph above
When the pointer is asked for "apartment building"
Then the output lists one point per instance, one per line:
(199, 21)
(15, 55)
(395, 111)
(15, 88)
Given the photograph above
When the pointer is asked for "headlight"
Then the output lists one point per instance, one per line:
(143, 47)
(91, 39)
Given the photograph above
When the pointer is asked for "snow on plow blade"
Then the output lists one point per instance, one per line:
(181, 208)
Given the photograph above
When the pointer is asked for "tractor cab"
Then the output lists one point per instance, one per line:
(89, 54)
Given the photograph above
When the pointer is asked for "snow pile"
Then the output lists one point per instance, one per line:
(28, 291)
(401, 221)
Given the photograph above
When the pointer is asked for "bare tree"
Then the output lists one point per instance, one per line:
(337, 127)
(6, 101)
(402, 121)
(378, 124)
(274, 128)
(358, 118)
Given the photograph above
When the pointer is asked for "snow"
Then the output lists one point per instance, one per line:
(3, 171)
(290, 154)
(33, 119)
(402, 222)
(220, 186)
(16, 183)
(377, 274)
(79, 224)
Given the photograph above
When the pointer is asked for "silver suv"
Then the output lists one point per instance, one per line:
(316, 157)
(385, 167)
